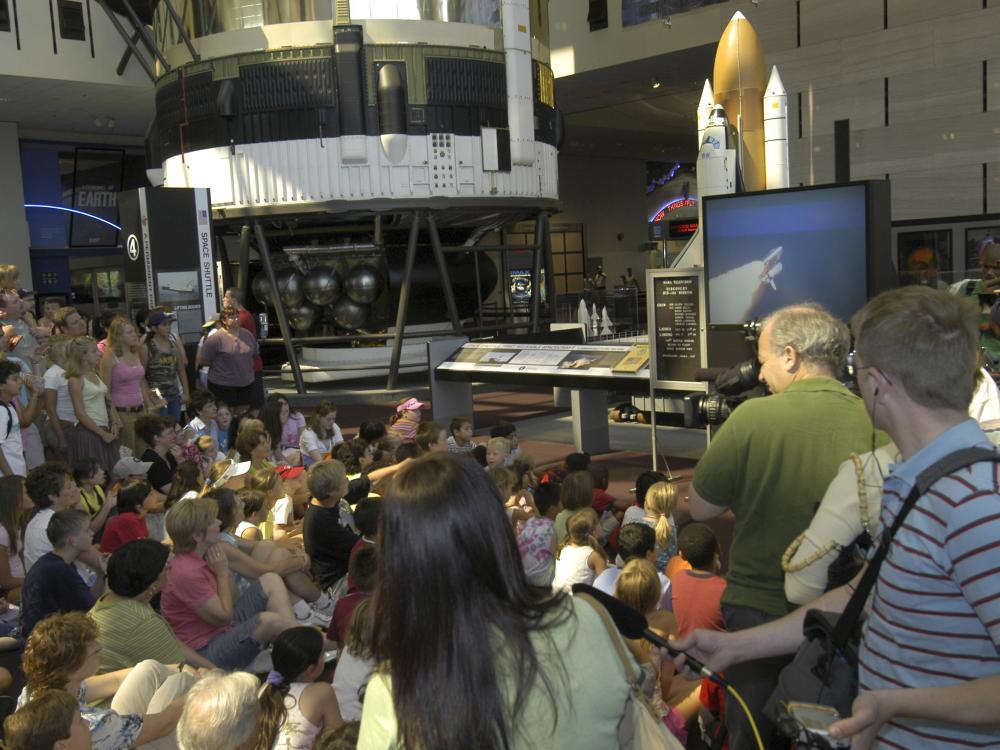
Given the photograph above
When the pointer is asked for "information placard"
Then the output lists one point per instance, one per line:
(677, 328)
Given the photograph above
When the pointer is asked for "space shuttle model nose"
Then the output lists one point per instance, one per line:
(739, 83)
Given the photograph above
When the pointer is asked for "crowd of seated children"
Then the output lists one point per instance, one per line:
(250, 560)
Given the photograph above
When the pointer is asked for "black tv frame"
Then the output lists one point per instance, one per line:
(727, 344)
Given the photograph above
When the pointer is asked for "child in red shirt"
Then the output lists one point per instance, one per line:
(136, 498)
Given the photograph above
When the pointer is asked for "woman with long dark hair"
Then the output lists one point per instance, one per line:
(456, 617)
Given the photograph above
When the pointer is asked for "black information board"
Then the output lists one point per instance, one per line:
(677, 317)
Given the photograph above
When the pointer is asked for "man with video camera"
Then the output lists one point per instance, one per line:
(770, 464)
(929, 659)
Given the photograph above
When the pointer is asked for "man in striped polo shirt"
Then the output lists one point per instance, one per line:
(930, 655)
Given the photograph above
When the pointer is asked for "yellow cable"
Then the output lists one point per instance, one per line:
(753, 724)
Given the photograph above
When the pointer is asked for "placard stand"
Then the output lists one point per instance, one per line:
(677, 337)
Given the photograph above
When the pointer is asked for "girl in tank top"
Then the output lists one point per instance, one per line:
(125, 377)
(580, 559)
(294, 708)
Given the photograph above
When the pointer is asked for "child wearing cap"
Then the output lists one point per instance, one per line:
(406, 419)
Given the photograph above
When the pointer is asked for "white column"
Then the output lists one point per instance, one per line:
(14, 244)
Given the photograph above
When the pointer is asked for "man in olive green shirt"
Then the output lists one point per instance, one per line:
(770, 464)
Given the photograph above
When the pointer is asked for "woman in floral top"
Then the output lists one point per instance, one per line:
(62, 653)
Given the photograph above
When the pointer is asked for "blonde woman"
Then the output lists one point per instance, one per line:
(123, 373)
(56, 398)
(95, 433)
(657, 512)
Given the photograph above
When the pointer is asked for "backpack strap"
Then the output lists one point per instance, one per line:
(951, 463)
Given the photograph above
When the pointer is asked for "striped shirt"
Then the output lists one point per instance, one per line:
(935, 610)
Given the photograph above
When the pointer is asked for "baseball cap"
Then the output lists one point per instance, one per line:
(158, 317)
(290, 472)
(210, 322)
(130, 467)
(410, 405)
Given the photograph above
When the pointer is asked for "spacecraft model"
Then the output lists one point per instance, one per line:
(742, 126)
(357, 104)
(742, 121)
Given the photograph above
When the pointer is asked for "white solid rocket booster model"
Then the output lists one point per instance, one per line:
(775, 132)
(755, 155)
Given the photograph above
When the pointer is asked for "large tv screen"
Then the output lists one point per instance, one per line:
(766, 250)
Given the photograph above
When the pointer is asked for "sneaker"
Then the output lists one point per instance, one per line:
(303, 612)
(322, 611)
(261, 664)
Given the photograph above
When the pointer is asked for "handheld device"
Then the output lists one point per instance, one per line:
(811, 726)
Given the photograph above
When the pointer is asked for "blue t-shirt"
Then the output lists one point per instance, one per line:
(52, 586)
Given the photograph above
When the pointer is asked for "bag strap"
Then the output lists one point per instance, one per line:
(951, 463)
(616, 638)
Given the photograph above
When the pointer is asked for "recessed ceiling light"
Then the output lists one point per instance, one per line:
(655, 83)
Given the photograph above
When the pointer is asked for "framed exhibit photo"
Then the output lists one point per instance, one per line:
(924, 257)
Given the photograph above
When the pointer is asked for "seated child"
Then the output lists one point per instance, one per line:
(294, 706)
(328, 529)
(136, 498)
(356, 662)
(576, 493)
(580, 559)
(635, 542)
(431, 438)
(460, 435)
(89, 477)
(254, 514)
(697, 593)
(497, 452)
(537, 539)
(53, 584)
(363, 569)
(406, 419)
(506, 429)
(657, 513)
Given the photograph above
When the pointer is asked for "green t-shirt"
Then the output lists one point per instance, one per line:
(770, 463)
(588, 681)
(987, 340)
(130, 632)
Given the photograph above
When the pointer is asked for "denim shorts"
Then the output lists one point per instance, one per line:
(236, 647)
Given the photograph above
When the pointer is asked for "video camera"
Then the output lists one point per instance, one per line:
(731, 387)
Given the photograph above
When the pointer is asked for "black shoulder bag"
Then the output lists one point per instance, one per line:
(825, 668)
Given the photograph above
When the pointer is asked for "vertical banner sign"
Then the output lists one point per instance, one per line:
(206, 256)
(147, 255)
(677, 321)
(97, 178)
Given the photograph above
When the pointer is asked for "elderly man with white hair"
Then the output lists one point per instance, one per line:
(221, 713)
